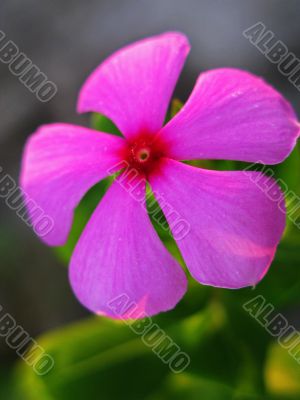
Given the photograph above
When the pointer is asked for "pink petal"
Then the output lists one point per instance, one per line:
(232, 115)
(120, 255)
(233, 226)
(61, 163)
(133, 87)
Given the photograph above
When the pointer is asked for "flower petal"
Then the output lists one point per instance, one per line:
(120, 254)
(234, 224)
(133, 87)
(232, 115)
(60, 163)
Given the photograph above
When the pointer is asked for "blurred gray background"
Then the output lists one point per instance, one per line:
(66, 40)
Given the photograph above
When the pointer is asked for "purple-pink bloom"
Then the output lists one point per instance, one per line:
(234, 227)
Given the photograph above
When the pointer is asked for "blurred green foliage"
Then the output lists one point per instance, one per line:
(232, 356)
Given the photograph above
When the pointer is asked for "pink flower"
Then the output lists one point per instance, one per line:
(234, 227)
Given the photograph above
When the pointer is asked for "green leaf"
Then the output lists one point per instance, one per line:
(176, 106)
(104, 124)
(106, 359)
(288, 174)
(95, 357)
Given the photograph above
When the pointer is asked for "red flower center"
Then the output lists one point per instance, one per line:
(144, 153)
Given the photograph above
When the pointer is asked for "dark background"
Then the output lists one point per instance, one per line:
(66, 40)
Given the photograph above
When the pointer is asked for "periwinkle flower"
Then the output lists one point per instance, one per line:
(234, 227)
